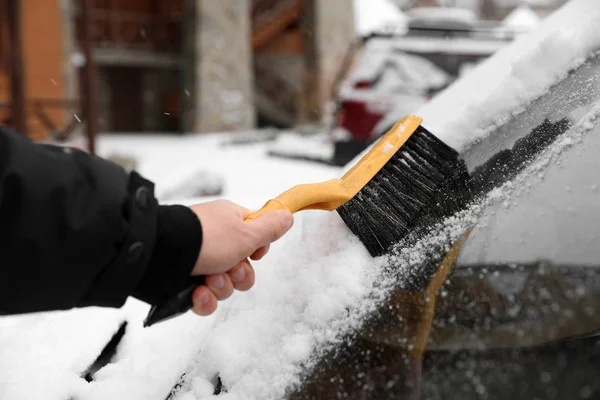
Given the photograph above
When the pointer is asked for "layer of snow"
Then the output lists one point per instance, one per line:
(451, 45)
(317, 147)
(196, 183)
(257, 340)
(381, 55)
(535, 3)
(500, 86)
(401, 81)
(518, 219)
(522, 17)
(249, 176)
(436, 16)
(378, 16)
(316, 282)
(42, 355)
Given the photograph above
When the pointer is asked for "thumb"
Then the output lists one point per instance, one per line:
(270, 226)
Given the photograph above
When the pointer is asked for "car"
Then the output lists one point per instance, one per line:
(510, 305)
(498, 301)
(395, 74)
(382, 80)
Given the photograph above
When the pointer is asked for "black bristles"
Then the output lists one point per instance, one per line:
(423, 181)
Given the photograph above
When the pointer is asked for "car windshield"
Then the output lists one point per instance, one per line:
(510, 303)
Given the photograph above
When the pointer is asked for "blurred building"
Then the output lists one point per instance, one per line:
(174, 66)
(33, 77)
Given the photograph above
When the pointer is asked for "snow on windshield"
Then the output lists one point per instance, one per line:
(523, 202)
(465, 113)
(514, 76)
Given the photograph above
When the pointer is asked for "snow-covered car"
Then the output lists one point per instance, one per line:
(500, 301)
(381, 81)
(395, 74)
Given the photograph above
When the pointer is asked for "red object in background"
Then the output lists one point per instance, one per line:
(363, 85)
(357, 119)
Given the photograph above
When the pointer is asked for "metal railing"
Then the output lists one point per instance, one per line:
(40, 109)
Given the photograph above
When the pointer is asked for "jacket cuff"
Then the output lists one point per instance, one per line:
(178, 242)
(119, 280)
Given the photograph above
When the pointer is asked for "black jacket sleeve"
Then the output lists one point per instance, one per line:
(77, 230)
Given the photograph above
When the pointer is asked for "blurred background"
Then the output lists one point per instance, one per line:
(345, 70)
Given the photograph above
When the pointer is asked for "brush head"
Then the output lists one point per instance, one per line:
(422, 181)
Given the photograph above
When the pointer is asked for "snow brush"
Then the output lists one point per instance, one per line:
(401, 183)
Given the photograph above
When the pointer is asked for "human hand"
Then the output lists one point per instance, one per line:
(227, 243)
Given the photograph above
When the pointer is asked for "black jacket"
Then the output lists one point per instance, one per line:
(77, 230)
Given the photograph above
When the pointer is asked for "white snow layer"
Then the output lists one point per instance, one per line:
(257, 340)
(522, 17)
(411, 71)
(437, 15)
(514, 76)
(378, 16)
(316, 146)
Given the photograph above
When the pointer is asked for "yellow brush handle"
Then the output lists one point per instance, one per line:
(327, 195)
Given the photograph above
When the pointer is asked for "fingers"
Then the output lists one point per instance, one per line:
(242, 276)
(205, 302)
(221, 286)
(270, 226)
(260, 253)
(205, 297)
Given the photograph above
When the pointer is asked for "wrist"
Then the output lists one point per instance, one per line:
(178, 242)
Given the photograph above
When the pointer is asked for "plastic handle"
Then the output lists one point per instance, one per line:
(327, 195)
(179, 304)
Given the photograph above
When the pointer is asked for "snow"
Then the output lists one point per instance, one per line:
(381, 55)
(378, 16)
(42, 355)
(439, 15)
(387, 146)
(535, 3)
(450, 45)
(248, 176)
(534, 191)
(522, 17)
(401, 80)
(316, 282)
(197, 183)
(256, 340)
(514, 76)
(316, 147)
